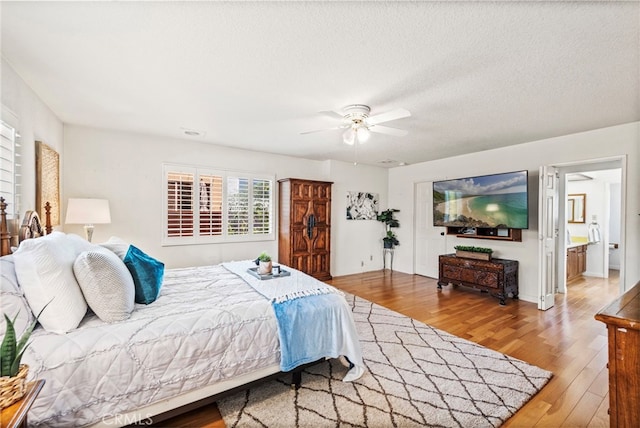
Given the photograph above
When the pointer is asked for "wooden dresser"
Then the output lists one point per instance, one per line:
(498, 277)
(304, 236)
(622, 318)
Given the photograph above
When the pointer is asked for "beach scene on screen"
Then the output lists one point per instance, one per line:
(497, 201)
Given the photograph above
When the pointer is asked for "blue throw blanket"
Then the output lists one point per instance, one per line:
(309, 330)
(314, 321)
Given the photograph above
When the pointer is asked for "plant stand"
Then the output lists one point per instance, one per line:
(386, 251)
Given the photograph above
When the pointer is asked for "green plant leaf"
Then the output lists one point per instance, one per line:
(8, 349)
(21, 346)
(264, 257)
(15, 365)
(473, 249)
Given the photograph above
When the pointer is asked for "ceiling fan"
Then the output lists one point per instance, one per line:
(358, 124)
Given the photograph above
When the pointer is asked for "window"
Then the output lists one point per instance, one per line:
(204, 205)
(10, 169)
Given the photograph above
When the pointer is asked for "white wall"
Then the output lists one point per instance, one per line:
(600, 143)
(359, 242)
(23, 109)
(125, 168)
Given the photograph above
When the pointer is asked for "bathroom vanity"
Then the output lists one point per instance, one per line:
(576, 260)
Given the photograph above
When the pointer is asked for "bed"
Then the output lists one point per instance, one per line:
(211, 330)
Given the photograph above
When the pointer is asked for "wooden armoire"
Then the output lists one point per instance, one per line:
(304, 239)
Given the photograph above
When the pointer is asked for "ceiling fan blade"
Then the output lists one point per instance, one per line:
(321, 130)
(398, 113)
(388, 130)
(333, 114)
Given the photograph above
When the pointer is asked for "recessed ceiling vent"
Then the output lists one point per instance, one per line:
(192, 132)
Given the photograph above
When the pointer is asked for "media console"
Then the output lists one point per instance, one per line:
(498, 277)
(486, 233)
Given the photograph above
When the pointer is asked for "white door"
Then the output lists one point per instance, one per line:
(429, 240)
(548, 233)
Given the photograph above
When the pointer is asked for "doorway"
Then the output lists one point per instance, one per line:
(603, 210)
(593, 220)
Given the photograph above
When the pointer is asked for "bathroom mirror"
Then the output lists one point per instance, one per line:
(576, 208)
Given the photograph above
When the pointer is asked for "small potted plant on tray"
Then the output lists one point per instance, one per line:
(470, 252)
(264, 263)
(13, 375)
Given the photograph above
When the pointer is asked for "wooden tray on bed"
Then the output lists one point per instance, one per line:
(254, 272)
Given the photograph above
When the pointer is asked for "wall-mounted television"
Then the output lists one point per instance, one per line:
(488, 201)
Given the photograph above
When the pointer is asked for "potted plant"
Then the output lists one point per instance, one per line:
(390, 240)
(470, 252)
(264, 263)
(13, 375)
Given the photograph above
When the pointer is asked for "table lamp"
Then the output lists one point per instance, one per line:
(88, 212)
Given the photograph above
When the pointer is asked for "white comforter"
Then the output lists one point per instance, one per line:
(207, 325)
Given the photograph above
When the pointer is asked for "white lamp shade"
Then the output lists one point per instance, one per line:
(88, 211)
(363, 135)
(349, 136)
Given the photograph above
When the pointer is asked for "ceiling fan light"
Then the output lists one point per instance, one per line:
(363, 135)
(349, 136)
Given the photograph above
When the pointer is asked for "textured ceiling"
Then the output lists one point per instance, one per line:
(474, 75)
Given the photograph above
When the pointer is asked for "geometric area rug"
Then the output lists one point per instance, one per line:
(416, 375)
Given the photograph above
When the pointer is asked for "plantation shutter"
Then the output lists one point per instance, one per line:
(180, 203)
(237, 206)
(211, 204)
(9, 169)
(261, 206)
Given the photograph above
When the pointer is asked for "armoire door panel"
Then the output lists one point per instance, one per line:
(321, 192)
(321, 239)
(300, 263)
(302, 190)
(320, 266)
(320, 210)
(299, 241)
(299, 213)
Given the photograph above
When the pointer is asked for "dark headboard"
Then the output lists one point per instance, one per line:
(31, 226)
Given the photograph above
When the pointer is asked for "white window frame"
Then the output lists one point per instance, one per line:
(10, 169)
(224, 237)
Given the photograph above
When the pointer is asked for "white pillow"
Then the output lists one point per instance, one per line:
(44, 268)
(117, 245)
(106, 284)
(12, 300)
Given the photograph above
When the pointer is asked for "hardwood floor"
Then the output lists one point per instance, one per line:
(566, 340)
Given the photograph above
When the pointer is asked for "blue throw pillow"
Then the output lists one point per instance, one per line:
(147, 274)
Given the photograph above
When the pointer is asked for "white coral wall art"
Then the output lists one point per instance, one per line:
(362, 206)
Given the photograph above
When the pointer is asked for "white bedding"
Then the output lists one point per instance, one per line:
(208, 325)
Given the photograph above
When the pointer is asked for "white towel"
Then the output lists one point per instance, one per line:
(594, 233)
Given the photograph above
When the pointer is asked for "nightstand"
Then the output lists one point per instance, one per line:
(16, 414)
